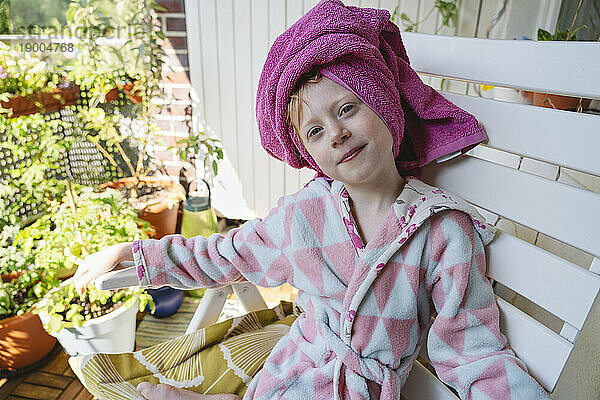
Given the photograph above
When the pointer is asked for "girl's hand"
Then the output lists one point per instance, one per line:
(101, 262)
(166, 392)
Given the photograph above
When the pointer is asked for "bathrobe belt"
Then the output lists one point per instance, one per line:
(367, 367)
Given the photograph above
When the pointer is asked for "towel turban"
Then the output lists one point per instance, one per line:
(360, 49)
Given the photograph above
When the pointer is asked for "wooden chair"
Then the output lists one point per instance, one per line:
(563, 212)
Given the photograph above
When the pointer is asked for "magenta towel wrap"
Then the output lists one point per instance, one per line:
(360, 49)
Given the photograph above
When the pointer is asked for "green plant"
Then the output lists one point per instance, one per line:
(37, 148)
(80, 225)
(447, 9)
(66, 308)
(21, 294)
(83, 223)
(568, 35)
(119, 46)
(22, 74)
(200, 147)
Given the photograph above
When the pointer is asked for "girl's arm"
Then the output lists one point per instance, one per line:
(465, 344)
(252, 252)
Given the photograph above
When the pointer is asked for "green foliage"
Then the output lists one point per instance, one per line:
(559, 35)
(77, 227)
(119, 47)
(65, 310)
(36, 17)
(5, 25)
(37, 146)
(448, 10)
(22, 74)
(199, 146)
(21, 294)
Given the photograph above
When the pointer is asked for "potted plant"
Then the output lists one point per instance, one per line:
(199, 153)
(99, 321)
(22, 338)
(84, 222)
(133, 62)
(28, 85)
(557, 101)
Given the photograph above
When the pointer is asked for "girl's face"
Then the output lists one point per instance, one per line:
(347, 140)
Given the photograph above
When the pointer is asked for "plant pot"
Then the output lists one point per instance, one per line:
(162, 218)
(167, 301)
(559, 102)
(11, 275)
(110, 333)
(23, 341)
(24, 105)
(133, 95)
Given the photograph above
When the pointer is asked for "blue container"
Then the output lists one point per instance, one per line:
(167, 301)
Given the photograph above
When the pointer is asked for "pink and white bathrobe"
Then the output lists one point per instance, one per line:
(368, 308)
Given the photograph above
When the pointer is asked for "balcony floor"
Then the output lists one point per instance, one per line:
(52, 380)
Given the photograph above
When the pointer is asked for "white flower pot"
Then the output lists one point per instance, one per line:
(110, 333)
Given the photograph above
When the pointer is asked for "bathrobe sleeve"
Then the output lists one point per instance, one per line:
(464, 343)
(250, 252)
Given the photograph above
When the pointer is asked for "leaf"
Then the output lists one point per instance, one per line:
(544, 35)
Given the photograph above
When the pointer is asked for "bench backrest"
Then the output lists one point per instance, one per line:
(542, 136)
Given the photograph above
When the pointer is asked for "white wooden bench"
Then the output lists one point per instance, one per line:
(563, 212)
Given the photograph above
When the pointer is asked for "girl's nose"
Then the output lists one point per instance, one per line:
(339, 135)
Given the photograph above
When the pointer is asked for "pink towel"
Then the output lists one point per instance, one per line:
(360, 49)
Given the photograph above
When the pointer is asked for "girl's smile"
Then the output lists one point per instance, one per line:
(352, 154)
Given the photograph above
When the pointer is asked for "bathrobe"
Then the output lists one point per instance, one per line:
(367, 307)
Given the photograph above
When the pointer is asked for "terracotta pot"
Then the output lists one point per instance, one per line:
(559, 102)
(134, 96)
(23, 341)
(112, 95)
(11, 275)
(160, 216)
(23, 105)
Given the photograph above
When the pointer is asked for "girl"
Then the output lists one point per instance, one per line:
(373, 251)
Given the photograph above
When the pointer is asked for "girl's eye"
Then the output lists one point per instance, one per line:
(346, 108)
(313, 132)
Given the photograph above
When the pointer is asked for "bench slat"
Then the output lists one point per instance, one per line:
(501, 62)
(516, 263)
(544, 352)
(566, 213)
(537, 132)
(422, 384)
